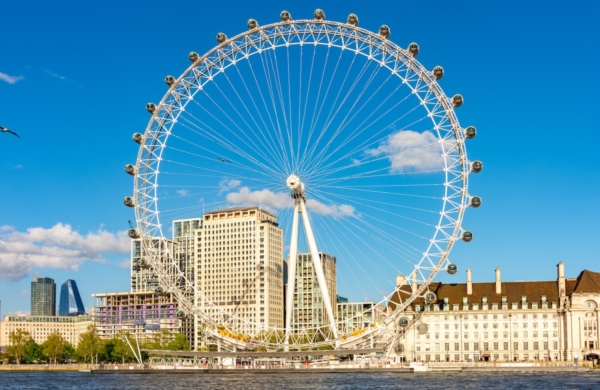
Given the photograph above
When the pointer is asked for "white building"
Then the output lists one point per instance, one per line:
(239, 267)
(40, 327)
(309, 309)
(505, 321)
(353, 317)
(143, 277)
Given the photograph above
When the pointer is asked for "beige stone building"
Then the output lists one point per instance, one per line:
(40, 327)
(505, 321)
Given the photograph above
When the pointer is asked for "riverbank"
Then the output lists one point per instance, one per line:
(45, 367)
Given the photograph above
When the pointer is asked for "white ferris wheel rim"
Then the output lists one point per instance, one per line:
(334, 34)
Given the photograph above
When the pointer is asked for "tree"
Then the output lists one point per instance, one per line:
(160, 340)
(18, 339)
(179, 343)
(33, 352)
(54, 347)
(89, 345)
(121, 350)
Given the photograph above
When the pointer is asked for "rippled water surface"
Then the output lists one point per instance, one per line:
(43, 380)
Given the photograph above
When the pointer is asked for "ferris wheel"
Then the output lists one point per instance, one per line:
(341, 136)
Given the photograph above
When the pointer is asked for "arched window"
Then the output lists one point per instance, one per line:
(590, 305)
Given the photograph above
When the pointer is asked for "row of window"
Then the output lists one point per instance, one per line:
(486, 346)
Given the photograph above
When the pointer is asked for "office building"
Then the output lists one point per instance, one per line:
(43, 297)
(70, 303)
(40, 327)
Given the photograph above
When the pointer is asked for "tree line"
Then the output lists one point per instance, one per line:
(90, 349)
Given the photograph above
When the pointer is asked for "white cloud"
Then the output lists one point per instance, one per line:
(273, 201)
(18, 313)
(10, 79)
(182, 192)
(18, 166)
(61, 77)
(57, 247)
(228, 185)
(126, 263)
(408, 151)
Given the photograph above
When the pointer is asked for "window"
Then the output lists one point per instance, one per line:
(525, 345)
(476, 346)
(516, 346)
(506, 345)
(466, 346)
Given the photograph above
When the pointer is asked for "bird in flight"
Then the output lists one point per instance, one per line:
(223, 160)
(5, 130)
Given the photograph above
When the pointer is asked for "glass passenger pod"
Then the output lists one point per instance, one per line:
(319, 14)
(285, 16)
(133, 233)
(353, 20)
(221, 37)
(403, 322)
(138, 138)
(170, 80)
(159, 290)
(144, 264)
(384, 31)
(151, 108)
(438, 72)
(193, 56)
(467, 236)
(430, 297)
(457, 100)
(476, 166)
(452, 268)
(180, 314)
(128, 201)
(475, 201)
(130, 169)
(413, 49)
(252, 24)
(470, 132)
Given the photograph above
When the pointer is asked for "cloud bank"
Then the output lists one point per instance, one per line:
(57, 247)
(411, 151)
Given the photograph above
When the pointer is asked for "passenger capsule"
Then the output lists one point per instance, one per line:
(403, 322)
(319, 14)
(470, 132)
(194, 56)
(133, 233)
(353, 20)
(144, 263)
(475, 201)
(413, 49)
(138, 138)
(457, 100)
(476, 166)
(151, 108)
(438, 72)
(467, 236)
(221, 37)
(128, 201)
(180, 314)
(452, 268)
(430, 297)
(130, 168)
(384, 31)
(252, 24)
(159, 290)
(170, 80)
(285, 16)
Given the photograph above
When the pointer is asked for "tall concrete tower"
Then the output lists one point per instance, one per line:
(43, 296)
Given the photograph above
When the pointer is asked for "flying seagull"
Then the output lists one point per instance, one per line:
(223, 160)
(5, 130)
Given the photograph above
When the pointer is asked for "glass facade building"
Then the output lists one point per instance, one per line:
(43, 297)
(70, 300)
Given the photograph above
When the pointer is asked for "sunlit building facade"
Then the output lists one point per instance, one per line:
(70, 303)
(43, 296)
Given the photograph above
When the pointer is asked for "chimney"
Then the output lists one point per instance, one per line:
(400, 280)
(469, 283)
(414, 281)
(498, 283)
(561, 279)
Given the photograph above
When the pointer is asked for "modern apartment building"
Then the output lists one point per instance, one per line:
(43, 297)
(143, 277)
(309, 309)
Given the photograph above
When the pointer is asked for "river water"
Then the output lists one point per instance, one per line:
(75, 380)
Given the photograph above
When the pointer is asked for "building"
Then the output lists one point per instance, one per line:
(239, 268)
(40, 327)
(142, 314)
(43, 297)
(505, 321)
(354, 316)
(70, 303)
(143, 277)
(309, 308)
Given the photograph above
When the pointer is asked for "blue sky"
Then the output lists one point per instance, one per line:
(77, 77)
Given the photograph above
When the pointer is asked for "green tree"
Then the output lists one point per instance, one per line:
(54, 347)
(90, 345)
(18, 339)
(179, 343)
(70, 353)
(121, 350)
(160, 340)
(33, 352)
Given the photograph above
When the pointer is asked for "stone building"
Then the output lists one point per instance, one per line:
(505, 321)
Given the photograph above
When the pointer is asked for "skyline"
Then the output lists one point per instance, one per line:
(56, 225)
